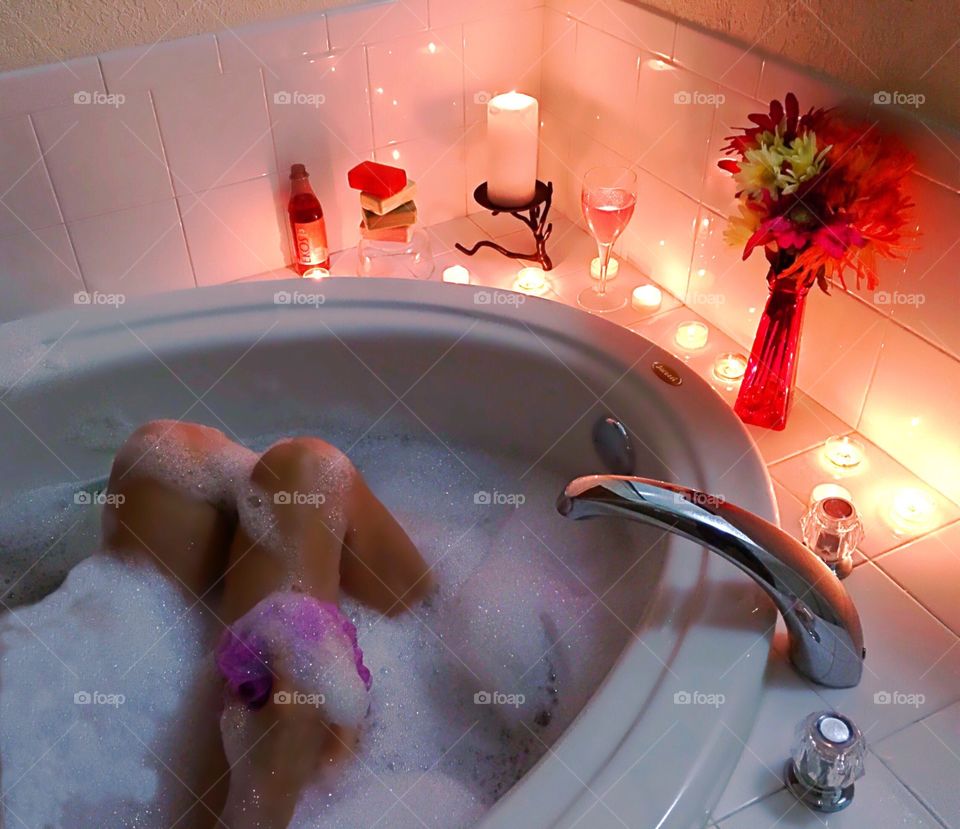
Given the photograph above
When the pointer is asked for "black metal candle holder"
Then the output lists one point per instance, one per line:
(537, 209)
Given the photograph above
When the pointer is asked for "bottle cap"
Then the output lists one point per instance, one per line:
(298, 171)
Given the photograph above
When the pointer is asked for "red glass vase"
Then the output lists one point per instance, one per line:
(767, 388)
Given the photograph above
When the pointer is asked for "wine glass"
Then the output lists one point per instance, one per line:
(608, 197)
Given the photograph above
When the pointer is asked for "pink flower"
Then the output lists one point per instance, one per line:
(780, 230)
(836, 238)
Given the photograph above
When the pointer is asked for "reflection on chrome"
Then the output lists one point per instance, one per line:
(826, 640)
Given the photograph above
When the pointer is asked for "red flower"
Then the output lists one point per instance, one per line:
(851, 209)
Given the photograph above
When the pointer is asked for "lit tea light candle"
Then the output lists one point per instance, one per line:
(691, 335)
(316, 273)
(613, 268)
(844, 451)
(456, 275)
(730, 367)
(532, 281)
(829, 490)
(913, 509)
(513, 124)
(646, 298)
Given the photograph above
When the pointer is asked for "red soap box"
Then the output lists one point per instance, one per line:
(380, 180)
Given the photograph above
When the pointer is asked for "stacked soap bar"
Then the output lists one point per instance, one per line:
(386, 199)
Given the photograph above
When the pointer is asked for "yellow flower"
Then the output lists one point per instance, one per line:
(760, 170)
(803, 161)
(778, 167)
(740, 228)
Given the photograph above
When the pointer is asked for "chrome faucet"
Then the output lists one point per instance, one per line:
(826, 640)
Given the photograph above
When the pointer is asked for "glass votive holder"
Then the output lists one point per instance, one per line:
(403, 255)
(613, 268)
(730, 367)
(844, 452)
(691, 335)
(532, 281)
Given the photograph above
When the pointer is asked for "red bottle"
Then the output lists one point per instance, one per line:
(310, 248)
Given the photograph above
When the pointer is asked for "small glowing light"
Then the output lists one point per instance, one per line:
(913, 509)
(395, 102)
(705, 223)
(316, 273)
(751, 310)
(613, 268)
(829, 490)
(531, 281)
(691, 335)
(702, 272)
(844, 451)
(456, 275)
(379, 90)
(730, 367)
(914, 421)
(395, 155)
(663, 242)
(432, 48)
(658, 65)
(646, 298)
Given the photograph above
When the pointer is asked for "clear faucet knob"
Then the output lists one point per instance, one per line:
(832, 528)
(827, 758)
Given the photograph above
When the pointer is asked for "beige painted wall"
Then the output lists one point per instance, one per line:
(908, 46)
(895, 45)
(42, 31)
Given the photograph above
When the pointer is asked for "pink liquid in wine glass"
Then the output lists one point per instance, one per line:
(607, 211)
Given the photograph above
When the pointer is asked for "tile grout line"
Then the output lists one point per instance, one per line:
(915, 795)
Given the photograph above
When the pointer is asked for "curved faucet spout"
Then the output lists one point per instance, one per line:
(826, 640)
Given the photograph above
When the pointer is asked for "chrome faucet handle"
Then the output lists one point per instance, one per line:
(826, 760)
(826, 639)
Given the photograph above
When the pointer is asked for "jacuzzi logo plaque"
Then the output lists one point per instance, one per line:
(666, 373)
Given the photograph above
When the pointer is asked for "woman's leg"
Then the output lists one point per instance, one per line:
(158, 514)
(162, 510)
(318, 527)
(308, 523)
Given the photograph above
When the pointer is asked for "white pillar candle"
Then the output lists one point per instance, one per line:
(513, 124)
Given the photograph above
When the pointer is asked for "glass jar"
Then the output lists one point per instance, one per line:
(403, 255)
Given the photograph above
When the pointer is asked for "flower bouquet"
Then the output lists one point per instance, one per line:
(822, 197)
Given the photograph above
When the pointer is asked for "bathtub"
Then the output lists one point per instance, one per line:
(505, 374)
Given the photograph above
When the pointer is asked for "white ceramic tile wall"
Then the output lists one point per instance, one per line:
(861, 350)
(163, 166)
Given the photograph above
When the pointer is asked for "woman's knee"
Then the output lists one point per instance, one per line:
(304, 464)
(168, 437)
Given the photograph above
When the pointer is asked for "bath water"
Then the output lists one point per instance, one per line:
(106, 678)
